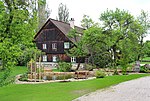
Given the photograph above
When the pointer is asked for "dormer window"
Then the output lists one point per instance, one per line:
(54, 46)
(66, 45)
(44, 46)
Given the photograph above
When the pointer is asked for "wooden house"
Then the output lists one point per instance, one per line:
(52, 39)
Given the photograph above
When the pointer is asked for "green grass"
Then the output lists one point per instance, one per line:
(16, 70)
(140, 63)
(146, 58)
(56, 70)
(59, 91)
(144, 62)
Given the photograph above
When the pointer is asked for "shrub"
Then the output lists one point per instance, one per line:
(63, 77)
(64, 67)
(124, 71)
(143, 69)
(102, 59)
(24, 77)
(100, 74)
(116, 72)
(1, 68)
(89, 67)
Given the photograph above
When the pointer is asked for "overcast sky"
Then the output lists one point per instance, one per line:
(93, 8)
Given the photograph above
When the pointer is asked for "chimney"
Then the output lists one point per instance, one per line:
(72, 23)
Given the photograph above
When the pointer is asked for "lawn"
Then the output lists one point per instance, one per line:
(66, 91)
(146, 58)
(144, 62)
(17, 70)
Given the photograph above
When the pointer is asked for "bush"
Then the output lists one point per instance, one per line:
(1, 68)
(143, 69)
(64, 67)
(89, 67)
(124, 71)
(116, 72)
(100, 74)
(102, 59)
(24, 77)
(63, 77)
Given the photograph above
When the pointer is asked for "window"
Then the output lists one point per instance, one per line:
(54, 58)
(73, 59)
(44, 46)
(66, 45)
(54, 46)
(44, 57)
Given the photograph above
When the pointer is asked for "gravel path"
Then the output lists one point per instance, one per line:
(134, 90)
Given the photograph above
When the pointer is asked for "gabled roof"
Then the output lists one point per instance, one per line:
(63, 27)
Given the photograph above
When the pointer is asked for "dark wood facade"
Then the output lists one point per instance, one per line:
(53, 35)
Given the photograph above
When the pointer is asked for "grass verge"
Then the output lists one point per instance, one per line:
(60, 91)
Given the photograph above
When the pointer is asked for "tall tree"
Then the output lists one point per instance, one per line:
(43, 12)
(146, 48)
(87, 22)
(95, 42)
(119, 25)
(78, 49)
(127, 52)
(63, 13)
(18, 26)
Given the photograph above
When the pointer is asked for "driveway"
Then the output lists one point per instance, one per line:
(134, 90)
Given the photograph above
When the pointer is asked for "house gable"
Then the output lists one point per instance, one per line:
(62, 27)
(50, 32)
(52, 37)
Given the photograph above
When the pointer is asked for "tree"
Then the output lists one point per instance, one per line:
(17, 29)
(87, 22)
(127, 53)
(63, 13)
(145, 23)
(94, 41)
(43, 12)
(119, 25)
(78, 50)
(146, 48)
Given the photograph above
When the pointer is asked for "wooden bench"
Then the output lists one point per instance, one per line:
(81, 74)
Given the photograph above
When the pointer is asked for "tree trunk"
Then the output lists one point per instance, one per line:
(92, 58)
(138, 58)
(78, 66)
(114, 55)
(141, 46)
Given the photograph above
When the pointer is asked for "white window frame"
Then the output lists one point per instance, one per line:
(73, 59)
(66, 45)
(54, 58)
(44, 58)
(44, 46)
(54, 46)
